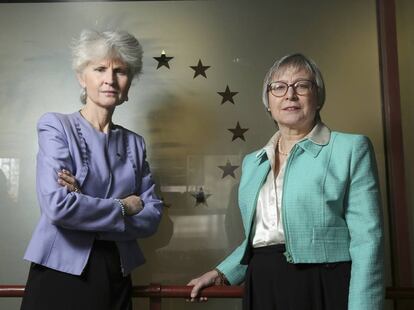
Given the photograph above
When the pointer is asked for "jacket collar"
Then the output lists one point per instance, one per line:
(313, 143)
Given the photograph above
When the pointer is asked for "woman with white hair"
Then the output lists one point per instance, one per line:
(310, 205)
(94, 188)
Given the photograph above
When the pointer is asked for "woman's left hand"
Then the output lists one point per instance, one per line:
(65, 178)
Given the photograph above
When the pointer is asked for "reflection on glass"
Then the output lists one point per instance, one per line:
(9, 179)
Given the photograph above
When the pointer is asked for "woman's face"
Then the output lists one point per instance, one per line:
(107, 82)
(294, 111)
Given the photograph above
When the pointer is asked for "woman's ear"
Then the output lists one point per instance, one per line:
(81, 80)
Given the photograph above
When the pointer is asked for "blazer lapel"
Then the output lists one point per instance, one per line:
(256, 172)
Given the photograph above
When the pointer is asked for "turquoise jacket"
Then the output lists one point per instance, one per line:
(331, 210)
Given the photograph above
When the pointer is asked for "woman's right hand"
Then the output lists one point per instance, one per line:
(208, 279)
(133, 205)
(67, 179)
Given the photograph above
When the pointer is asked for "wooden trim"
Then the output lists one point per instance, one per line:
(393, 139)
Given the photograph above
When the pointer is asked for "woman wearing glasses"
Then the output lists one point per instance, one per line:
(310, 205)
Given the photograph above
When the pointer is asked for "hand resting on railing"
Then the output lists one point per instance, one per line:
(212, 277)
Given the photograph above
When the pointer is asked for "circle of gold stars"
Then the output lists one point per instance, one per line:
(238, 132)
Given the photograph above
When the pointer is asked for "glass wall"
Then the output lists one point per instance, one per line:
(182, 117)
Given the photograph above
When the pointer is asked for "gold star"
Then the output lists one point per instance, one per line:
(200, 197)
(163, 60)
(199, 69)
(227, 95)
(238, 132)
(228, 169)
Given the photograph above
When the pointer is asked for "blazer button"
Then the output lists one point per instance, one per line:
(289, 257)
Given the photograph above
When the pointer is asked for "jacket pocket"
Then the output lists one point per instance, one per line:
(332, 242)
(331, 234)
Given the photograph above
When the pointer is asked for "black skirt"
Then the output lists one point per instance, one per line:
(274, 284)
(101, 285)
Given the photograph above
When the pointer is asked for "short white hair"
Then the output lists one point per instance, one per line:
(94, 45)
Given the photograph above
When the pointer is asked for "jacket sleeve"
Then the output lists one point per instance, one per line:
(363, 215)
(65, 209)
(145, 223)
(230, 266)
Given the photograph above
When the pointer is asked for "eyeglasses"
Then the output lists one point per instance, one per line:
(301, 87)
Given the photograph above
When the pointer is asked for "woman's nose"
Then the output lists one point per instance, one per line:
(109, 78)
(291, 93)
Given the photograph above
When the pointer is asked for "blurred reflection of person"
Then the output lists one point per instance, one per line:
(310, 205)
(94, 188)
(5, 198)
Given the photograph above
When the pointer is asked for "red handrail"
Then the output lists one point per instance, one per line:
(11, 290)
(176, 291)
(152, 290)
(396, 293)
(155, 292)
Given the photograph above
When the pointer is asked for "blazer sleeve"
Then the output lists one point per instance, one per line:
(145, 223)
(65, 209)
(363, 214)
(230, 266)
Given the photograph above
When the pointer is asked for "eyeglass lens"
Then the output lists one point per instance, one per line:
(279, 89)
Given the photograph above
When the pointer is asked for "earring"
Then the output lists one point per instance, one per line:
(83, 95)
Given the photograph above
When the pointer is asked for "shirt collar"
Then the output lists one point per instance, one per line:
(317, 138)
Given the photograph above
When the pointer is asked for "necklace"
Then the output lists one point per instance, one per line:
(279, 150)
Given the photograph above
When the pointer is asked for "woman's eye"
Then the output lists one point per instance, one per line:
(303, 85)
(122, 72)
(100, 69)
(279, 87)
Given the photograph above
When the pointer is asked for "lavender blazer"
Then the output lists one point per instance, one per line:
(106, 166)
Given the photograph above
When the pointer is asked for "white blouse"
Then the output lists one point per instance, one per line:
(268, 226)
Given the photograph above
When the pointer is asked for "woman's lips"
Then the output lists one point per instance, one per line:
(291, 108)
(110, 92)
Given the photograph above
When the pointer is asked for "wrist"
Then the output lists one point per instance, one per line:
(122, 206)
(221, 278)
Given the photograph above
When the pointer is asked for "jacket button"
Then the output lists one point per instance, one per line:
(289, 258)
